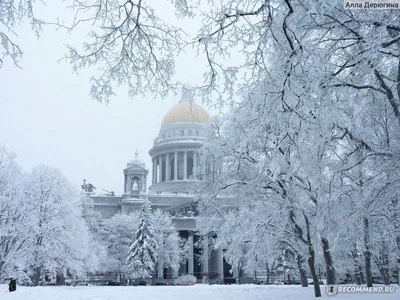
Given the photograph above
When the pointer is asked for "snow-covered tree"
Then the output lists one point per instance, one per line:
(281, 167)
(12, 13)
(260, 167)
(42, 230)
(14, 228)
(142, 254)
(59, 237)
(170, 251)
(119, 231)
(96, 239)
(91, 216)
(142, 51)
(303, 130)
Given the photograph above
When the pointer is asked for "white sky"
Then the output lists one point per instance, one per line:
(47, 116)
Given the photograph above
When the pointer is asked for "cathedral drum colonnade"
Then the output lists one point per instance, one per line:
(174, 162)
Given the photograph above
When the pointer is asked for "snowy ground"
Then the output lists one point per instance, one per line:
(196, 292)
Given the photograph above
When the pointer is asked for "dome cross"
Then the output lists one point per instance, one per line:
(187, 94)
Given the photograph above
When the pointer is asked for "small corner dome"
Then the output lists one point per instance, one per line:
(186, 111)
(136, 161)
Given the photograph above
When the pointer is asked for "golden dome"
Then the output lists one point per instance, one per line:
(186, 111)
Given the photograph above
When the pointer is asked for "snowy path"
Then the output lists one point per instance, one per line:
(197, 292)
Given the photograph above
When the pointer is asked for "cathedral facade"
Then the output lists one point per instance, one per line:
(174, 162)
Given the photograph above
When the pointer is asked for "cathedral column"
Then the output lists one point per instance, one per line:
(152, 170)
(176, 165)
(175, 273)
(160, 269)
(185, 165)
(194, 164)
(160, 168)
(155, 170)
(235, 271)
(220, 258)
(129, 185)
(205, 256)
(190, 259)
(167, 168)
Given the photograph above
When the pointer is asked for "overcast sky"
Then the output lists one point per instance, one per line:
(47, 116)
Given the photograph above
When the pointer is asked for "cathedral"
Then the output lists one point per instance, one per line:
(174, 161)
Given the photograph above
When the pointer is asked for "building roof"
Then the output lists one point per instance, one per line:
(186, 111)
(136, 161)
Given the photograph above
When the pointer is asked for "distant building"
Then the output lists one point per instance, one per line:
(174, 161)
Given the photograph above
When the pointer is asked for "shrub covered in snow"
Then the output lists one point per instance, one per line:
(185, 280)
(205, 280)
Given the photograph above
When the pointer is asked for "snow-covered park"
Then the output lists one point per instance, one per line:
(196, 292)
(277, 163)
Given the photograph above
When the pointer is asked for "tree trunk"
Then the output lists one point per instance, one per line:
(385, 269)
(368, 271)
(359, 279)
(330, 270)
(311, 265)
(385, 275)
(382, 261)
(357, 267)
(36, 276)
(268, 273)
(361, 274)
(311, 260)
(2, 263)
(154, 277)
(122, 280)
(302, 271)
(367, 253)
(348, 278)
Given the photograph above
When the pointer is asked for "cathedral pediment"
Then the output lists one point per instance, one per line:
(134, 167)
